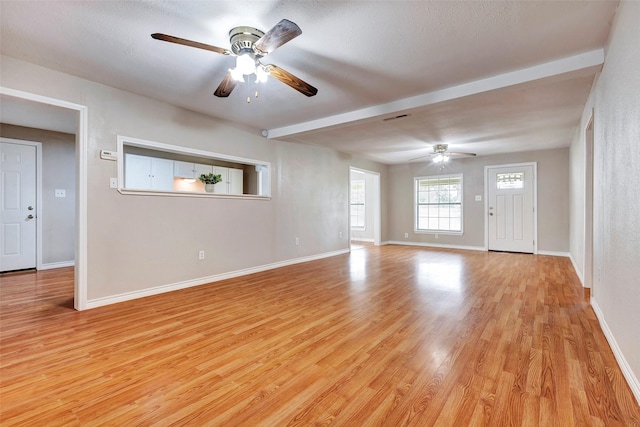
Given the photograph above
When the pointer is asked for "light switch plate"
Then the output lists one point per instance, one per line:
(60, 193)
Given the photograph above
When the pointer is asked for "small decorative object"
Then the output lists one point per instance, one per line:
(209, 181)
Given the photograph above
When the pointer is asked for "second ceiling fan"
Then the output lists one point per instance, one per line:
(250, 45)
(441, 154)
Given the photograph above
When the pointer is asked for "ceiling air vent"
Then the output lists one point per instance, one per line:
(401, 116)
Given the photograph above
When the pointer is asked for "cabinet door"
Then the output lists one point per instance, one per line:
(202, 169)
(183, 169)
(235, 181)
(223, 186)
(137, 172)
(161, 174)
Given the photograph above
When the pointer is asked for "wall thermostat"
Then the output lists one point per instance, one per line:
(108, 155)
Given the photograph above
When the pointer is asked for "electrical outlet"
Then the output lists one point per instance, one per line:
(201, 255)
(113, 182)
(297, 241)
(60, 193)
(406, 235)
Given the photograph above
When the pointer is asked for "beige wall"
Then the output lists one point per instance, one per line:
(58, 172)
(616, 266)
(553, 194)
(139, 242)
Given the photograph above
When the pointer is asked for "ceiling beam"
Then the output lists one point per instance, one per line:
(536, 72)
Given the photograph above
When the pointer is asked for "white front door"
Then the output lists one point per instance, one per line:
(511, 208)
(17, 206)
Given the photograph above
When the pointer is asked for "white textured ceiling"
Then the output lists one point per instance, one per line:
(367, 59)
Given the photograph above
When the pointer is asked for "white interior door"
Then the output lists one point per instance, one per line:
(511, 208)
(18, 206)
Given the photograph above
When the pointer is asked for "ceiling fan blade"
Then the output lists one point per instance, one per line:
(185, 42)
(421, 157)
(461, 154)
(291, 80)
(283, 32)
(226, 86)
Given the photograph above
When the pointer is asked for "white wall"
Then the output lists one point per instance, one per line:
(140, 242)
(553, 198)
(616, 104)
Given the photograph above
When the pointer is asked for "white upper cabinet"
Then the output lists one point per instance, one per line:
(148, 173)
(184, 169)
(202, 169)
(235, 181)
(223, 186)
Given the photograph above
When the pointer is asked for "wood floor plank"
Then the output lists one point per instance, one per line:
(387, 336)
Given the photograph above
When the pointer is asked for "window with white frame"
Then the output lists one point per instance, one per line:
(438, 205)
(357, 204)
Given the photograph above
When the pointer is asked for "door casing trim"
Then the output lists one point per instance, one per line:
(82, 144)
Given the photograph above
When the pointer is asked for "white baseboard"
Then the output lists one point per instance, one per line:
(358, 239)
(577, 270)
(52, 265)
(554, 253)
(436, 245)
(632, 380)
(99, 302)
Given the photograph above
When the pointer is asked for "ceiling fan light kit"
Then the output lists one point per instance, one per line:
(249, 45)
(242, 41)
(440, 151)
(440, 158)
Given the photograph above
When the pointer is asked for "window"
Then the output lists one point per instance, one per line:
(357, 204)
(439, 203)
(508, 181)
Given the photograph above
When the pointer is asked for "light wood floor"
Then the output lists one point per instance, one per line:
(385, 336)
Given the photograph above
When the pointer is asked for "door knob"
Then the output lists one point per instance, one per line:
(30, 217)
(490, 213)
(30, 208)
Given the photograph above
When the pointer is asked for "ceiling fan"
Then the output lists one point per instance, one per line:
(249, 45)
(441, 154)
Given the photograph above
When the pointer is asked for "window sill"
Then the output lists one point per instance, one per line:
(191, 194)
(446, 232)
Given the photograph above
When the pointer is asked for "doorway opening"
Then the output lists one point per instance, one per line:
(364, 207)
(37, 110)
(588, 205)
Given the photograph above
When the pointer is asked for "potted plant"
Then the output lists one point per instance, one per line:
(210, 180)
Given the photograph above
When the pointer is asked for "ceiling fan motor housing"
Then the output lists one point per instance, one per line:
(242, 40)
(440, 148)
